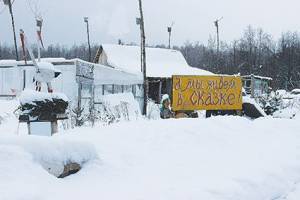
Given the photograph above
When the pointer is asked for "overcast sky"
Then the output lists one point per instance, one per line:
(113, 19)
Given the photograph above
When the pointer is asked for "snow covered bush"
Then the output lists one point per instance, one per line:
(117, 107)
(77, 117)
(289, 107)
(42, 105)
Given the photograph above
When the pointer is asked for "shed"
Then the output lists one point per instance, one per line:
(161, 65)
(256, 86)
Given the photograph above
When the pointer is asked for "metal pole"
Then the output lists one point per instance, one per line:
(13, 26)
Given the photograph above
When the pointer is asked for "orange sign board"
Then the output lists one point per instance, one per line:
(207, 93)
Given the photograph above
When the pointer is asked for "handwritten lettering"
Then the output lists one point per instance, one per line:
(206, 92)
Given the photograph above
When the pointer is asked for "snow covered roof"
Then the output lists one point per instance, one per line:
(14, 63)
(258, 77)
(160, 62)
(103, 74)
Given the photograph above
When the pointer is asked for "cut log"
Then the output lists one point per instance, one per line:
(69, 169)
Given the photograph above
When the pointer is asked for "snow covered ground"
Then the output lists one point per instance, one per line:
(212, 159)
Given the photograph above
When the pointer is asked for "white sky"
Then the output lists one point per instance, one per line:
(113, 19)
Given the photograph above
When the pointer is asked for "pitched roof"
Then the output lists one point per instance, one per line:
(160, 62)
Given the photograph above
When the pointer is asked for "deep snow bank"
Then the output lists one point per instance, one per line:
(20, 176)
(52, 153)
(229, 158)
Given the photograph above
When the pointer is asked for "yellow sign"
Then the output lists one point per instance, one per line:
(207, 93)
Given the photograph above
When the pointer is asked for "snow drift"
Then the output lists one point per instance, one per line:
(51, 153)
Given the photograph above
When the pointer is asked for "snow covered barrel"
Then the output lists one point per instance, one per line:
(42, 110)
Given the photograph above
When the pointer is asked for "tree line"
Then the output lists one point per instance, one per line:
(256, 52)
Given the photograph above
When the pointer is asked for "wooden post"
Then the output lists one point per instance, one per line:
(134, 90)
(159, 91)
(24, 79)
(13, 26)
(54, 127)
(93, 106)
(169, 31)
(143, 43)
(79, 95)
(28, 128)
(252, 85)
(88, 37)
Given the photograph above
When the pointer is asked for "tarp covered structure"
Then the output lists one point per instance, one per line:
(12, 75)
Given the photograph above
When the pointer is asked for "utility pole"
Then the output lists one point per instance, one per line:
(218, 39)
(9, 4)
(86, 20)
(143, 56)
(170, 32)
(138, 22)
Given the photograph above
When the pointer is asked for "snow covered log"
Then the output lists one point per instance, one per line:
(58, 156)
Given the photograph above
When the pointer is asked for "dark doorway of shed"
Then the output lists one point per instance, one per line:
(155, 91)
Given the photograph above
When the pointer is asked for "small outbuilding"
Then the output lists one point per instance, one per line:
(256, 86)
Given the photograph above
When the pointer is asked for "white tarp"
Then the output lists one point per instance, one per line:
(11, 76)
(104, 75)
